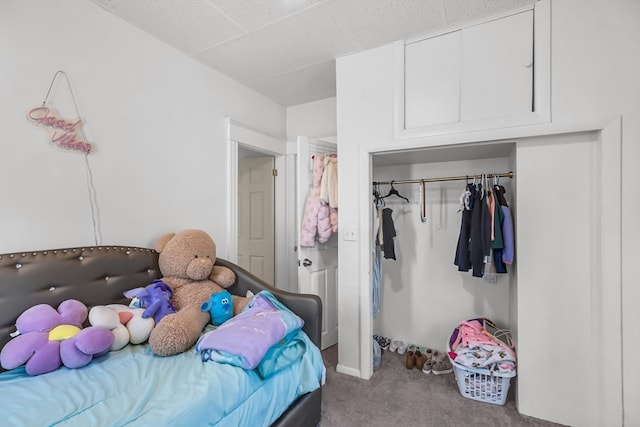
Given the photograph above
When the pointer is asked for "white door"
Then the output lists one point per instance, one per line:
(317, 266)
(255, 216)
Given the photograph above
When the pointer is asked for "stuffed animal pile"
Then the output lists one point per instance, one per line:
(170, 313)
(187, 263)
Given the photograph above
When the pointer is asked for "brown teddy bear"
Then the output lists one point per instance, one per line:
(186, 262)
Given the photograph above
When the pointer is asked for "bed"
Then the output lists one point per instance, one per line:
(132, 386)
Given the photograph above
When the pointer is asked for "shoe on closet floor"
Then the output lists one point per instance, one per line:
(421, 359)
(387, 343)
(427, 367)
(398, 345)
(442, 367)
(411, 360)
(383, 341)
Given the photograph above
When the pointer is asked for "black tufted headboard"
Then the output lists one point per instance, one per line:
(94, 275)
(100, 274)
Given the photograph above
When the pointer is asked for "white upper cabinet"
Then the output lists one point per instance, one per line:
(496, 76)
(433, 97)
(487, 75)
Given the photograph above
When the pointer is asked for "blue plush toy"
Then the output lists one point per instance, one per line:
(220, 306)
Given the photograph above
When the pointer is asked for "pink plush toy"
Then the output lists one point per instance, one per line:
(49, 339)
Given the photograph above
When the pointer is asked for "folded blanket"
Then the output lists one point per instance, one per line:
(265, 328)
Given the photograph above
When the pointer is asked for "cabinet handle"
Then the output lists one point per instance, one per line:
(529, 65)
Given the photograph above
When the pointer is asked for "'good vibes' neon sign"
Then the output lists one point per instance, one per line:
(63, 133)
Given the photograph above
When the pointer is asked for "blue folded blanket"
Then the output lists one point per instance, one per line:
(266, 335)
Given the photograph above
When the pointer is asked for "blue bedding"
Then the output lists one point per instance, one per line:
(134, 387)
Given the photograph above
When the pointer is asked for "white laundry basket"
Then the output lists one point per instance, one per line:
(482, 384)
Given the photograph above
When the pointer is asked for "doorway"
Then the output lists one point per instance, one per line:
(256, 245)
(243, 143)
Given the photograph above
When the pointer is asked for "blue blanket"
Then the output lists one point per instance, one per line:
(134, 387)
(266, 336)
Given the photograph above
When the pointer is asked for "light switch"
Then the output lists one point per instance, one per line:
(350, 234)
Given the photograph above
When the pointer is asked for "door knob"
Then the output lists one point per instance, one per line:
(306, 262)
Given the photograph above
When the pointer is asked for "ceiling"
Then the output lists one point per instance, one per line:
(286, 49)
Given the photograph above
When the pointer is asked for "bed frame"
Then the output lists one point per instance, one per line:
(99, 275)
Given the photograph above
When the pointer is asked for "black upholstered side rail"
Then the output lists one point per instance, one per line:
(94, 275)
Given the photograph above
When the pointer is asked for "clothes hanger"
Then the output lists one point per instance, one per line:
(376, 195)
(394, 192)
(423, 202)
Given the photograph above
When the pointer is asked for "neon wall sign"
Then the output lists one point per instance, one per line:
(64, 133)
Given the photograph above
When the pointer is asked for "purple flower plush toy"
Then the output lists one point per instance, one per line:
(49, 339)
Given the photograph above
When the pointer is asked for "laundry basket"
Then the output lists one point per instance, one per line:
(482, 384)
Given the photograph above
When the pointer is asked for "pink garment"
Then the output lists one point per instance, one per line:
(333, 219)
(315, 219)
(471, 333)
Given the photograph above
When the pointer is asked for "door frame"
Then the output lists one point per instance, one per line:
(241, 134)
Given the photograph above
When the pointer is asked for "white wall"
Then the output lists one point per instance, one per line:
(595, 63)
(313, 119)
(365, 117)
(156, 118)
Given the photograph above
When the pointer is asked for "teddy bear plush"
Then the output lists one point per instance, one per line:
(187, 263)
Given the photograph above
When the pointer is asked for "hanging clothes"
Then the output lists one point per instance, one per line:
(480, 240)
(378, 206)
(376, 276)
(329, 189)
(329, 182)
(497, 244)
(507, 226)
(474, 248)
(389, 233)
(463, 249)
(316, 218)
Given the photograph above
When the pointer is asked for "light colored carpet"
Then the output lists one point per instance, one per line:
(397, 396)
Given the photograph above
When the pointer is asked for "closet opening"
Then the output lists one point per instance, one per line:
(566, 200)
(422, 294)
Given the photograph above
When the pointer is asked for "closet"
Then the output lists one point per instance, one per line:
(423, 296)
(563, 289)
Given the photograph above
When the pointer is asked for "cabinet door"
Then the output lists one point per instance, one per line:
(497, 68)
(432, 81)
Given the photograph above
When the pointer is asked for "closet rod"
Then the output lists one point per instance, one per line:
(448, 178)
